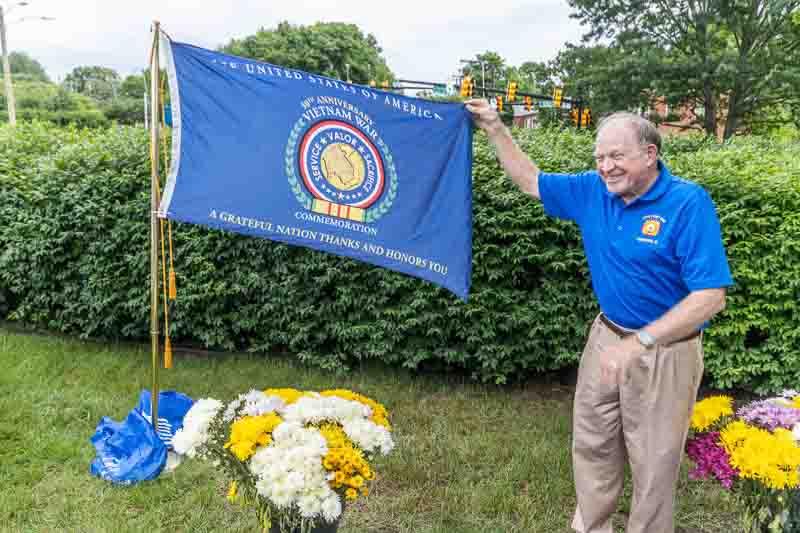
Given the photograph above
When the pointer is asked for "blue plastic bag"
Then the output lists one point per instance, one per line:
(127, 451)
(172, 407)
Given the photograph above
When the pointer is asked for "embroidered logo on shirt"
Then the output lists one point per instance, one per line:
(651, 227)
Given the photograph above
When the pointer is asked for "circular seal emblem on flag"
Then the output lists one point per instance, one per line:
(336, 169)
(340, 164)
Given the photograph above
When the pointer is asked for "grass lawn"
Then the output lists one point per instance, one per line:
(469, 458)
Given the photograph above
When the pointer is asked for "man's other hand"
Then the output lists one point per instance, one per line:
(616, 358)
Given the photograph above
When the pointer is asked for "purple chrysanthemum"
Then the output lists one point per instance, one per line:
(769, 415)
(710, 459)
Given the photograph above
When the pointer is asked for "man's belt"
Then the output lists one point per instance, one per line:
(624, 333)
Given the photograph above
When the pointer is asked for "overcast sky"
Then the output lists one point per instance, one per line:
(421, 39)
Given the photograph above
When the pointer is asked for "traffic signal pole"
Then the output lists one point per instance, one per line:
(466, 89)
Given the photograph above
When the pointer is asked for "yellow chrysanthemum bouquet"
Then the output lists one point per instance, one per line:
(297, 457)
(754, 452)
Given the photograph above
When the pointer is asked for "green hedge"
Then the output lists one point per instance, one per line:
(74, 258)
(125, 111)
(756, 186)
(80, 118)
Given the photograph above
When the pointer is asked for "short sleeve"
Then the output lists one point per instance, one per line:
(565, 195)
(699, 246)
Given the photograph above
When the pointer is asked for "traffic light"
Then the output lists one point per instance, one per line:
(586, 118)
(557, 93)
(372, 83)
(385, 84)
(499, 100)
(528, 103)
(466, 87)
(574, 115)
(511, 91)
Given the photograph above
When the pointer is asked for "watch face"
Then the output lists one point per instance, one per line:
(645, 338)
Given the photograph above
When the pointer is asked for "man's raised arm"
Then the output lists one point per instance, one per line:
(516, 164)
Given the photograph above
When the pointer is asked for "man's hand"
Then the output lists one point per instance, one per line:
(484, 115)
(616, 358)
(517, 165)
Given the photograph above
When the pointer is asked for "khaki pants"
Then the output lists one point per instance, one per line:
(645, 420)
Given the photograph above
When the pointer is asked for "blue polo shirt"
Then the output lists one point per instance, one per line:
(646, 256)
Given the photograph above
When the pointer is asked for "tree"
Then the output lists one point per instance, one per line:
(592, 74)
(325, 48)
(133, 86)
(733, 58)
(45, 101)
(492, 65)
(24, 67)
(125, 111)
(535, 77)
(100, 83)
(47, 97)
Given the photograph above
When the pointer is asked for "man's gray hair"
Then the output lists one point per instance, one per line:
(645, 131)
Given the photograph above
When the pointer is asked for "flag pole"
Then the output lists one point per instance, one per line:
(154, 123)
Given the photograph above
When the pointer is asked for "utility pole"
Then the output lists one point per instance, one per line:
(144, 80)
(9, 86)
(12, 113)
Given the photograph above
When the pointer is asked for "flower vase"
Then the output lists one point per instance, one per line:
(322, 527)
(793, 520)
(778, 514)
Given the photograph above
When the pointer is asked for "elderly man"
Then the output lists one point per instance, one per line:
(659, 272)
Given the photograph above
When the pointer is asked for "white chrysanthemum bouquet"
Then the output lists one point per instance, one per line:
(295, 456)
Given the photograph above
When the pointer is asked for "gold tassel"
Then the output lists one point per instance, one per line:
(173, 291)
(167, 353)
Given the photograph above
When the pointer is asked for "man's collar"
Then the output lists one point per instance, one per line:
(660, 186)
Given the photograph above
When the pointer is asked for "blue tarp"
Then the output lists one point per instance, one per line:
(172, 407)
(131, 450)
(127, 451)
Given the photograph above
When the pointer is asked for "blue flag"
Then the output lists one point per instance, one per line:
(311, 161)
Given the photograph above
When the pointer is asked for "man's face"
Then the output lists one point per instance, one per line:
(625, 166)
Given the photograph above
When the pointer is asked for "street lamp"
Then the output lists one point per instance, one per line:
(144, 80)
(30, 17)
(533, 81)
(9, 87)
(18, 4)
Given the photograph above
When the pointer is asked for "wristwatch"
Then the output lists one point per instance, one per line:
(645, 339)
